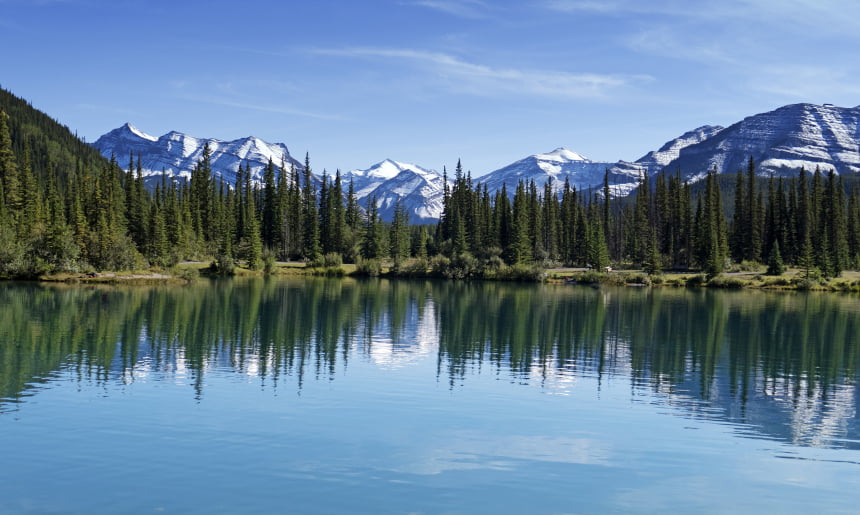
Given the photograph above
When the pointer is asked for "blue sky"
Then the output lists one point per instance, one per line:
(428, 81)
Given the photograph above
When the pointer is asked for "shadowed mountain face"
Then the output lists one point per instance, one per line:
(781, 142)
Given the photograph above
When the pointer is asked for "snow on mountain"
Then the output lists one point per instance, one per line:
(562, 164)
(558, 165)
(421, 190)
(656, 160)
(781, 142)
(176, 154)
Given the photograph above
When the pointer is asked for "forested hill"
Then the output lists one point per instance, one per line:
(48, 140)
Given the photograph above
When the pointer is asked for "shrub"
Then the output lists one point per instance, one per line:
(268, 261)
(329, 271)
(645, 279)
(368, 268)
(747, 266)
(532, 273)
(722, 281)
(696, 280)
(223, 265)
(439, 264)
(804, 284)
(416, 268)
(189, 274)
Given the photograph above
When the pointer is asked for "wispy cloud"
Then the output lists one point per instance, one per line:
(236, 94)
(477, 79)
(460, 8)
(665, 42)
(804, 82)
(822, 14)
(266, 108)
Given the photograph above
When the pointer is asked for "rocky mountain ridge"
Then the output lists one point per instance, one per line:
(780, 141)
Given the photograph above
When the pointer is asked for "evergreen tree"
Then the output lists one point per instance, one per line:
(372, 244)
(775, 265)
(311, 241)
(399, 234)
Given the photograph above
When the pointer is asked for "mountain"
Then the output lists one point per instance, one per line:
(562, 164)
(53, 148)
(421, 190)
(559, 165)
(781, 142)
(176, 154)
(656, 161)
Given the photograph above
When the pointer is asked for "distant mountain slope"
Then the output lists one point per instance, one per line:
(421, 190)
(48, 140)
(177, 154)
(562, 164)
(781, 142)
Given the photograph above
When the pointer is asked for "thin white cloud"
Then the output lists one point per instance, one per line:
(824, 15)
(267, 108)
(664, 42)
(478, 79)
(809, 83)
(460, 8)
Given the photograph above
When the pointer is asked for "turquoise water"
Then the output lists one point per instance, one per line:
(341, 396)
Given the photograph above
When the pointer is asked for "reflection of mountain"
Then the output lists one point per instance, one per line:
(779, 366)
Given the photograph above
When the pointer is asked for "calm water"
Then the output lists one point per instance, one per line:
(338, 396)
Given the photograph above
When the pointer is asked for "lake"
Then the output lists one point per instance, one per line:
(376, 396)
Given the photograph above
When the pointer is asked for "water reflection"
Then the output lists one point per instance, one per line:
(782, 366)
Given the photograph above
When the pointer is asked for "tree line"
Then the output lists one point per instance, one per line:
(97, 215)
(807, 221)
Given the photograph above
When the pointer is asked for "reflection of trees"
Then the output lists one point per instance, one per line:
(756, 356)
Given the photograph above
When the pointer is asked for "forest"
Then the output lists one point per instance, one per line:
(64, 208)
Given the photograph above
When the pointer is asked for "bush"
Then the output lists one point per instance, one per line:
(638, 279)
(722, 281)
(778, 281)
(329, 271)
(531, 273)
(696, 280)
(368, 268)
(268, 261)
(189, 274)
(747, 266)
(223, 265)
(439, 265)
(590, 277)
(332, 259)
(416, 268)
(804, 284)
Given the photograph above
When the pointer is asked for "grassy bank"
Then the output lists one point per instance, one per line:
(792, 279)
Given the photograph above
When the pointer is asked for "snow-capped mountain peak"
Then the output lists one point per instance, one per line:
(135, 132)
(419, 189)
(175, 154)
(561, 154)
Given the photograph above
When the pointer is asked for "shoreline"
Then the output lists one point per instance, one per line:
(186, 272)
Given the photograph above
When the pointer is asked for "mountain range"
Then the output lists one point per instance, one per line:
(780, 141)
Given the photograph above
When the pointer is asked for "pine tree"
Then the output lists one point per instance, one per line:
(271, 219)
(775, 265)
(310, 219)
(652, 265)
(9, 170)
(399, 235)
(372, 244)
